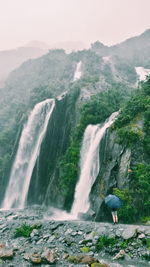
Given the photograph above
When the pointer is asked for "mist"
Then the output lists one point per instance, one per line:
(86, 21)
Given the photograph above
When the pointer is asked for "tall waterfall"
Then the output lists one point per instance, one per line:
(89, 164)
(78, 72)
(28, 151)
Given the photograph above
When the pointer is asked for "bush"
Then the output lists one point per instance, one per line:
(25, 230)
(105, 241)
(129, 135)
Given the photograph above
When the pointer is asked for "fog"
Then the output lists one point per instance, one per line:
(51, 21)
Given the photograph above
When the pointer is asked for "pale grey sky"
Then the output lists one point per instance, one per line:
(50, 21)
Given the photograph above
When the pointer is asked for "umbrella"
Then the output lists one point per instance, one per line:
(113, 202)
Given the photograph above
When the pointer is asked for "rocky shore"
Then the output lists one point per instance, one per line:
(28, 239)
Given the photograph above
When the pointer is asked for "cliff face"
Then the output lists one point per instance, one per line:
(45, 178)
(114, 164)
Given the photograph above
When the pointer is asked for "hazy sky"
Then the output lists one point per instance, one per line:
(50, 21)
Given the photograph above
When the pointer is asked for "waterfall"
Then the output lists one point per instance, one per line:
(28, 151)
(89, 164)
(142, 73)
(78, 73)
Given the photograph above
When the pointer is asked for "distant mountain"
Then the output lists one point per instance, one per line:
(12, 59)
(38, 44)
(136, 49)
(68, 46)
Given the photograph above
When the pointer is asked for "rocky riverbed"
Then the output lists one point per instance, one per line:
(32, 237)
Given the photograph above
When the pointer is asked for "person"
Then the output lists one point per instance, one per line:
(113, 202)
(114, 216)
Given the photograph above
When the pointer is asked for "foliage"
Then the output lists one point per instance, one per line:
(148, 243)
(136, 199)
(25, 230)
(105, 241)
(100, 106)
(133, 133)
(141, 187)
(146, 219)
(134, 106)
(129, 135)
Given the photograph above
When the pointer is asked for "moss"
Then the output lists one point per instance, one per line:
(96, 264)
(85, 249)
(74, 259)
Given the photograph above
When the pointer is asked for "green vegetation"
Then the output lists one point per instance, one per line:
(141, 187)
(148, 243)
(105, 241)
(133, 128)
(25, 230)
(127, 212)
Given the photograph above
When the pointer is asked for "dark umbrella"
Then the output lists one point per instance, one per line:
(113, 202)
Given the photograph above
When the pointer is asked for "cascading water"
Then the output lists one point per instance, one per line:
(78, 73)
(89, 165)
(28, 151)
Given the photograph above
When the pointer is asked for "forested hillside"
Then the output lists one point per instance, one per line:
(107, 83)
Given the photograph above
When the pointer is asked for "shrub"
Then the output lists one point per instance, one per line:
(25, 230)
(105, 241)
(129, 135)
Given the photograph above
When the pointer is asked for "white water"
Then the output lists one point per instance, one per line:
(78, 72)
(89, 165)
(28, 151)
(142, 73)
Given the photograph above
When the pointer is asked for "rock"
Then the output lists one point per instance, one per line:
(96, 264)
(119, 255)
(2, 246)
(51, 238)
(90, 236)
(129, 232)
(6, 253)
(35, 258)
(26, 256)
(49, 256)
(69, 231)
(141, 236)
(88, 259)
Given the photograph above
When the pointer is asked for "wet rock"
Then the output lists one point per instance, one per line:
(119, 255)
(6, 253)
(49, 256)
(35, 258)
(88, 259)
(96, 264)
(90, 236)
(141, 236)
(82, 259)
(129, 232)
